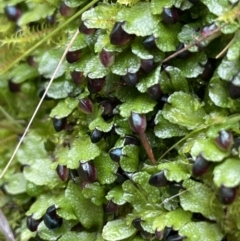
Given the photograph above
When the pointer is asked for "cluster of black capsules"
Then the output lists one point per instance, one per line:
(168, 234)
(51, 219)
(86, 171)
(227, 195)
(225, 142)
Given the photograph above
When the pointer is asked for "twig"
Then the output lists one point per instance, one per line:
(225, 49)
(205, 37)
(147, 147)
(51, 80)
(39, 104)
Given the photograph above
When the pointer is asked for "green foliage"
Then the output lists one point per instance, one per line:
(104, 192)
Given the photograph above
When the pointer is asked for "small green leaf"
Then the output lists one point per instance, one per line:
(16, 184)
(34, 190)
(48, 63)
(102, 16)
(23, 72)
(74, 4)
(140, 51)
(74, 236)
(116, 194)
(176, 170)
(122, 126)
(60, 88)
(139, 20)
(234, 49)
(91, 66)
(134, 196)
(218, 7)
(194, 231)
(40, 11)
(230, 28)
(182, 4)
(44, 201)
(157, 6)
(149, 80)
(103, 41)
(82, 149)
(130, 158)
(79, 43)
(173, 80)
(64, 108)
(208, 150)
(188, 35)
(175, 219)
(152, 193)
(33, 173)
(106, 168)
(88, 213)
(32, 149)
(192, 66)
(117, 230)
(165, 129)
(218, 93)
(141, 104)
(204, 201)
(49, 234)
(126, 62)
(94, 192)
(166, 36)
(227, 173)
(100, 124)
(228, 68)
(184, 110)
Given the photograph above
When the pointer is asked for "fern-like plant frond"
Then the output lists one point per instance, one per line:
(27, 35)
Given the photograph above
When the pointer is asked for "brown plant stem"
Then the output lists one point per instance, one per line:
(198, 41)
(147, 147)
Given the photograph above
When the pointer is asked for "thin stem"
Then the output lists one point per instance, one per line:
(55, 31)
(183, 139)
(8, 103)
(176, 195)
(147, 147)
(39, 104)
(10, 127)
(225, 49)
(230, 119)
(205, 37)
(7, 116)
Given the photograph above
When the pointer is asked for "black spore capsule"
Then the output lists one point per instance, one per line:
(51, 218)
(158, 180)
